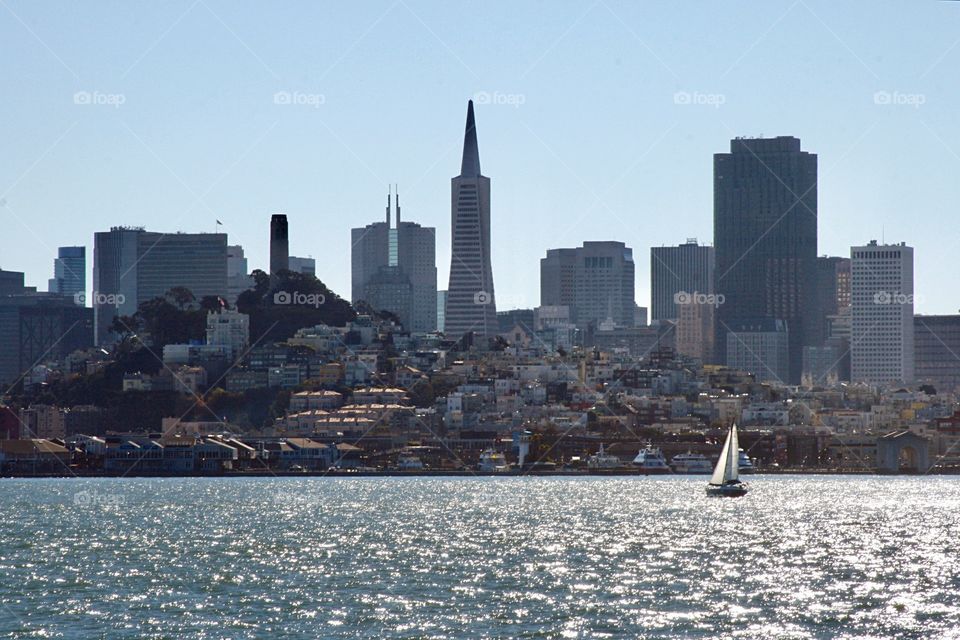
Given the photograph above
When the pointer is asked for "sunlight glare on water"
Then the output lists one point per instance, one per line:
(798, 557)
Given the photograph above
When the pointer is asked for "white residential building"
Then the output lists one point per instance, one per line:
(229, 328)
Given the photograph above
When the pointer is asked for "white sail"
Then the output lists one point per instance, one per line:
(720, 472)
(732, 471)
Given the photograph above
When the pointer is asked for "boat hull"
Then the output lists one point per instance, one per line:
(691, 470)
(653, 471)
(727, 491)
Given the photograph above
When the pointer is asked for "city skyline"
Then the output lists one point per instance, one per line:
(145, 171)
(706, 255)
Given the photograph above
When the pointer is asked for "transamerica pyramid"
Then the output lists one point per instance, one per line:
(471, 304)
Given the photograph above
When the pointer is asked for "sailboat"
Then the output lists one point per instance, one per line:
(726, 476)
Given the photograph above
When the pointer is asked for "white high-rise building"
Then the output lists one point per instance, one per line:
(881, 339)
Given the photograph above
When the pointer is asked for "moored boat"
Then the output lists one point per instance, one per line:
(603, 460)
(409, 462)
(691, 463)
(651, 460)
(492, 461)
(744, 463)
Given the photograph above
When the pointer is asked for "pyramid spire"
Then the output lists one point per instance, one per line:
(470, 166)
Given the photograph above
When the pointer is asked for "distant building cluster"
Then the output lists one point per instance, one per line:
(806, 351)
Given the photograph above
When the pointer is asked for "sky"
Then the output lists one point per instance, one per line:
(596, 121)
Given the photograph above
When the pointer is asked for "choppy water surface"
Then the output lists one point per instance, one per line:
(800, 557)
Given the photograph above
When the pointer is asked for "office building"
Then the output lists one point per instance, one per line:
(640, 316)
(832, 293)
(70, 273)
(695, 328)
(684, 269)
(37, 328)
(882, 325)
(760, 347)
(390, 289)
(132, 265)
(507, 320)
(596, 281)
(471, 301)
(306, 266)
(394, 268)
(825, 365)
(937, 351)
(441, 310)
(238, 273)
(765, 237)
(641, 342)
(12, 283)
(558, 278)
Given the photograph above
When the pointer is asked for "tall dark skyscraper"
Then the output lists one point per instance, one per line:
(687, 268)
(279, 244)
(765, 235)
(394, 268)
(471, 303)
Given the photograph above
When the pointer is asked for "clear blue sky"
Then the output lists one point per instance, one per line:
(583, 137)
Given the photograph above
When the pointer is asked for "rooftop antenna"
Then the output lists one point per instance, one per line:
(396, 188)
(388, 206)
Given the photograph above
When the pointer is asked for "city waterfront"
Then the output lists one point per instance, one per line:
(429, 557)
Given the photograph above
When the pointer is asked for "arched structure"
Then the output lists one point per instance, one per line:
(903, 451)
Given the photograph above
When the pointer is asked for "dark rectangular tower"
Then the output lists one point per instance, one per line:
(279, 244)
(687, 268)
(765, 235)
